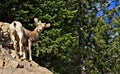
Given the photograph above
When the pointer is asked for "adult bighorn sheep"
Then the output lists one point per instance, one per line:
(17, 31)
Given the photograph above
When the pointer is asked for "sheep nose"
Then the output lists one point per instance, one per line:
(40, 30)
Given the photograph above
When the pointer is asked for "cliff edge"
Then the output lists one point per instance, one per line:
(9, 65)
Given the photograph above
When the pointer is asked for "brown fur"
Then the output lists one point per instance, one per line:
(32, 35)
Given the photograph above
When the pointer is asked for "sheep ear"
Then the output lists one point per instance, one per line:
(36, 21)
(47, 25)
(40, 22)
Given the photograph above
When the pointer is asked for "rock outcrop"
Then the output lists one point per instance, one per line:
(10, 65)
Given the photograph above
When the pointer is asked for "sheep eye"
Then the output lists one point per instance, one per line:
(40, 30)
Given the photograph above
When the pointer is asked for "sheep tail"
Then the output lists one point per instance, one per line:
(14, 24)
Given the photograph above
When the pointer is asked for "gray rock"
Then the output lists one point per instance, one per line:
(1, 70)
(20, 71)
(1, 63)
(7, 71)
(13, 64)
(24, 63)
(34, 64)
(10, 65)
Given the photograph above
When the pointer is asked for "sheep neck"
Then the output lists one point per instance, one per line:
(32, 35)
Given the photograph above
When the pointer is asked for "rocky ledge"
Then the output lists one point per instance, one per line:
(9, 65)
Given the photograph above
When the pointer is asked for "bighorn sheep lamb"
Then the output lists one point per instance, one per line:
(25, 35)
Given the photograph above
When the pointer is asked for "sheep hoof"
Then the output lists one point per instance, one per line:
(20, 54)
(16, 57)
(23, 59)
(29, 60)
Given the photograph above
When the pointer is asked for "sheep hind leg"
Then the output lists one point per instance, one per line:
(20, 46)
(15, 48)
(20, 43)
(14, 45)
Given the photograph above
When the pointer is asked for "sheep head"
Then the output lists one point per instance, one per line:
(40, 25)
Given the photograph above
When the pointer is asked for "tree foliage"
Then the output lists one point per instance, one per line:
(77, 42)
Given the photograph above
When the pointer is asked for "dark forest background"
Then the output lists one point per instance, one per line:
(79, 41)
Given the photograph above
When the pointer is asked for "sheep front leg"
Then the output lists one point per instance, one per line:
(24, 53)
(29, 49)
